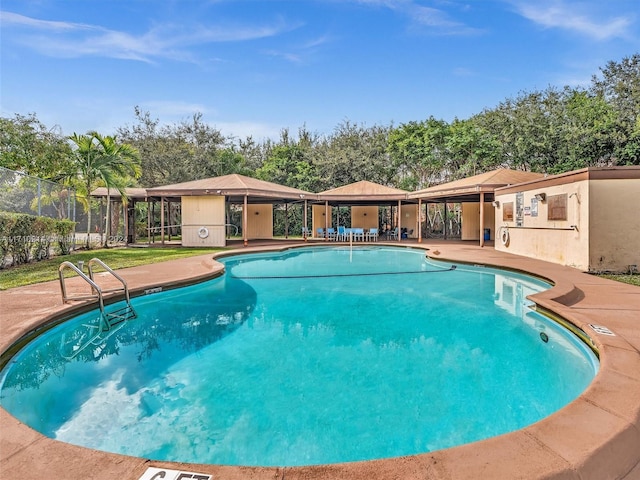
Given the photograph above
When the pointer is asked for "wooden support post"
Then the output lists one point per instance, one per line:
(245, 217)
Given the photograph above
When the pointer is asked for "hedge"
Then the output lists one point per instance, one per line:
(24, 238)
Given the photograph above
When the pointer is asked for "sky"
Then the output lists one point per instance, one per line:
(256, 67)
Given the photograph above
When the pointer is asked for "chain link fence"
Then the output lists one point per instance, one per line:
(21, 193)
(26, 194)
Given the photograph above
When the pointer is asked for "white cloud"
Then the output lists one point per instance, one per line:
(573, 17)
(300, 53)
(9, 19)
(436, 20)
(73, 40)
(242, 130)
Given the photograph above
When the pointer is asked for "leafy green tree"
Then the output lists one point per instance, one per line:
(181, 152)
(418, 152)
(591, 132)
(355, 152)
(471, 149)
(619, 85)
(102, 160)
(27, 146)
(290, 162)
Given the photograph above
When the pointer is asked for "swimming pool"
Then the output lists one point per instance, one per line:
(306, 357)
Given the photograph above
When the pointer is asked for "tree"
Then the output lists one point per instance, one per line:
(619, 85)
(124, 162)
(27, 146)
(591, 132)
(355, 152)
(102, 160)
(290, 162)
(181, 152)
(471, 149)
(418, 152)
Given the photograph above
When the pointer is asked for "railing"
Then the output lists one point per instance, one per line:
(108, 319)
(97, 261)
(96, 291)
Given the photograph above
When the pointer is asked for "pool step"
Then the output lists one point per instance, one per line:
(118, 316)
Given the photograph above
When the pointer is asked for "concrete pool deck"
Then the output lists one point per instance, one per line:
(595, 437)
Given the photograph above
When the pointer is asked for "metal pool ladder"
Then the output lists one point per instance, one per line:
(108, 319)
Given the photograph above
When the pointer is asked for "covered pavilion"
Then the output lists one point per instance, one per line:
(204, 206)
(364, 198)
(112, 196)
(475, 194)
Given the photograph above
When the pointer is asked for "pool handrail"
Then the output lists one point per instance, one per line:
(108, 318)
(99, 262)
(96, 291)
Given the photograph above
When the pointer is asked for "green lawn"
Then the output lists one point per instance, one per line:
(114, 257)
(630, 279)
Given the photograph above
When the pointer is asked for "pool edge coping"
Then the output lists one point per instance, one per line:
(615, 447)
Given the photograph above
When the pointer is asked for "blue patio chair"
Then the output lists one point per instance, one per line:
(358, 234)
(340, 236)
(372, 235)
(320, 233)
(331, 233)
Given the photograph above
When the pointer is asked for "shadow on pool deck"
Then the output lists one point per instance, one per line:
(595, 437)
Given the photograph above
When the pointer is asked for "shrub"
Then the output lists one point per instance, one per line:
(26, 237)
(64, 231)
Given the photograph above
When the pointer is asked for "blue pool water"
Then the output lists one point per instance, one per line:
(315, 355)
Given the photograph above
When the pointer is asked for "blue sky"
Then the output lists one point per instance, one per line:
(254, 67)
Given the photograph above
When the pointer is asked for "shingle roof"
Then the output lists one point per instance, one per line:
(484, 182)
(362, 192)
(129, 192)
(233, 185)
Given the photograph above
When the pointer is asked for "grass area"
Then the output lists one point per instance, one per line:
(114, 257)
(630, 279)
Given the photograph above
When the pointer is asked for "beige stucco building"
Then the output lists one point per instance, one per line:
(588, 219)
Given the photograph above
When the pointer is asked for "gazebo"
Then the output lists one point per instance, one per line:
(364, 198)
(204, 206)
(112, 195)
(475, 194)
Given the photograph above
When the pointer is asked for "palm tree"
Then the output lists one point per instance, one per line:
(101, 160)
(125, 163)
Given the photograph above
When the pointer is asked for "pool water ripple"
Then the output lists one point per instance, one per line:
(249, 369)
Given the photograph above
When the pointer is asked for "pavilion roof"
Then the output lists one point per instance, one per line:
(472, 186)
(234, 186)
(130, 192)
(363, 192)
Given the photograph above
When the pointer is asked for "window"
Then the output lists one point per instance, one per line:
(507, 212)
(557, 207)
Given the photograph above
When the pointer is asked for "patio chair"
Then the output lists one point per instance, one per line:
(358, 234)
(372, 235)
(320, 233)
(393, 234)
(331, 233)
(340, 236)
